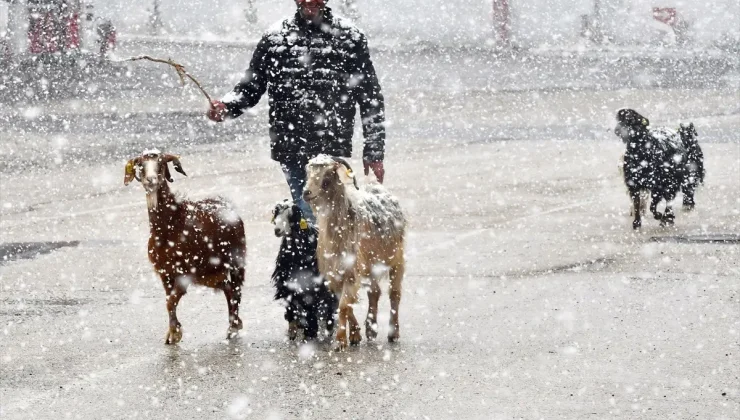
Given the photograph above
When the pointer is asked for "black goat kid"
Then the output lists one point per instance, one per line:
(655, 161)
(296, 278)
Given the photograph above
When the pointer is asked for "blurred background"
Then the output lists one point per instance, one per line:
(524, 24)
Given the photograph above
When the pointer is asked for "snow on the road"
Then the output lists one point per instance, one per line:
(528, 294)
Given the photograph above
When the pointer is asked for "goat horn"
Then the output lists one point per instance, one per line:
(344, 162)
(175, 161)
(130, 171)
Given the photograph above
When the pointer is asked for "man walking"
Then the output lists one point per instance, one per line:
(315, 68)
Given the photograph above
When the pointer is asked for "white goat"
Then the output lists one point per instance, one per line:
(361, 236)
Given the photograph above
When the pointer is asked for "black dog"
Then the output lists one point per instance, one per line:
(695, 158)
(296, 277)
(655, 160)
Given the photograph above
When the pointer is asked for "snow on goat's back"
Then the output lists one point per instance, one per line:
(375, 203)
(321, 160)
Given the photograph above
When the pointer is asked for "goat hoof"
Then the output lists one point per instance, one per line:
(236, 324)
(174, 335)
(371, 331)
(232, 333)
(340, 342)
(340, 346)
(394, 334)
(636, 224)
(355, 335)
(234, 327)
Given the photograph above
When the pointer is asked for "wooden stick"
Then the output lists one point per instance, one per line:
(179, 68)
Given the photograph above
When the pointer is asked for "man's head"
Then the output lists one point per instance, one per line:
(311, 9)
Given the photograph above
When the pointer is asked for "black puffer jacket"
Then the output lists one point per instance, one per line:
(314, 77)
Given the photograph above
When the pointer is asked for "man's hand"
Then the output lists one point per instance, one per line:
(217, 112)
(377, 168)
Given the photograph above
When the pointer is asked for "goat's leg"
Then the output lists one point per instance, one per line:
(355, 332)
(636, 203)
(341, 337)
(347, 318)
(371, 322)
(396, 277)
(174, 294)
(233, 291)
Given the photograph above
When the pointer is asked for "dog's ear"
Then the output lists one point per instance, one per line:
(296, 214)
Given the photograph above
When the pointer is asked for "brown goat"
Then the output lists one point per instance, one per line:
(361, 236)
(200, 242)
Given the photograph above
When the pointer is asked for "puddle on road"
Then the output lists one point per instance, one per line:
(26, 308)
(28, 250)
(717, 238)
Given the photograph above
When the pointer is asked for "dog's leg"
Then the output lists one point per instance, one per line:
(654, 206)
(291, 317)
(331, 312)
(637, 222)
(312, 319)
(688, 193)
(668, 216)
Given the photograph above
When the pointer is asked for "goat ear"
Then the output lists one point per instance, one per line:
(129, 172)
(346, 176)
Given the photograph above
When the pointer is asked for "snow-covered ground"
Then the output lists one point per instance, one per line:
(527, 293)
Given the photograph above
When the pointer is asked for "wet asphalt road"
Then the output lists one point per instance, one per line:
(527, 294)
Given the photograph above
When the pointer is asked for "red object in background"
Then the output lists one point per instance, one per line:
(107, 33)
(41, 34)
(73, 31)
(667, 15)
(502, 20)
(53, 29)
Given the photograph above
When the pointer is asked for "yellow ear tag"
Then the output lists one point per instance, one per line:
(272, 219)
(129, 168)
(349, 173)
(304, 224)
(644, 121)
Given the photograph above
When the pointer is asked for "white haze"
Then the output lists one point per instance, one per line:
(534, 22)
